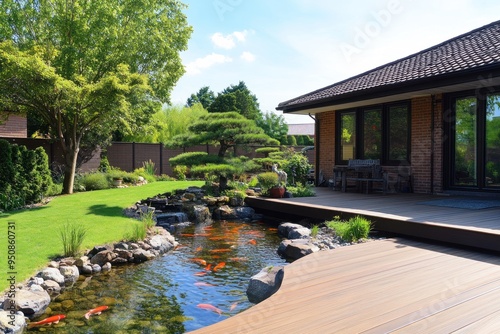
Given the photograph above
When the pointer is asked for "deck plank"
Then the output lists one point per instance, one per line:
(379, 286)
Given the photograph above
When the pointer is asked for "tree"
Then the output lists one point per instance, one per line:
(167, 123)
(87, 64)
(237, 98)
(204, 96)
(226, 130)
(274, 126)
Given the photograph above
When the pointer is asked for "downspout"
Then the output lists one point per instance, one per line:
(433, 97)
(316, 149)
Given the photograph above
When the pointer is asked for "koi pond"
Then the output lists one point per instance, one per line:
(201, 282)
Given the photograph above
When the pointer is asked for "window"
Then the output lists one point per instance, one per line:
(377, 132)
(348, 135)
(372, 136)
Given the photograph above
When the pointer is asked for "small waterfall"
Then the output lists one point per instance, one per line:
(166, 220)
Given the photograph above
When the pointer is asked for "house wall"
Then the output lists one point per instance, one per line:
(422, 146)
(423, 150)
(15, 127)
(326, 122)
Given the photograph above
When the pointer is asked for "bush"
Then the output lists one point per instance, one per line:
(24, 175)
(354, 229)
(165, 177)
(301, 190)
(54, 189)
(94, 181)
(180, 172)
(297, 168)
(145, 174)
(267, 180)
(104, 165)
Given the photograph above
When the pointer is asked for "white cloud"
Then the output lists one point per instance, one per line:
(229, 41)
(210, 60)
(247, 56)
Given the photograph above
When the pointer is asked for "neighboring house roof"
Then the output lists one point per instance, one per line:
(449, 63)
(301, 129)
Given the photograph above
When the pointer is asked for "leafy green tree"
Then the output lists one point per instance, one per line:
(83, 65)
(204, 96)
(237, 98)
(227, 130)
(274, 126)
(167, 123)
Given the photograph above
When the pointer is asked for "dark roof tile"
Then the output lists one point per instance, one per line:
(480, 47)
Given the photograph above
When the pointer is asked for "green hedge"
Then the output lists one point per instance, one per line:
(24, 175)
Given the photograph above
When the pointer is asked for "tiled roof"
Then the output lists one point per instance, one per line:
(473, 50)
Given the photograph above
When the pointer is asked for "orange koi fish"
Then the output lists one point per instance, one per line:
(210, 307)
(238, 259)
(198, 249)
(208, 267)
(233, 306)
(199, 261)
(96, 311)
(217, 238)
(252, 242)
(48, 321)
(220, 250)
(186, 235)
(203, 284)
(219, 266)
(200, 273)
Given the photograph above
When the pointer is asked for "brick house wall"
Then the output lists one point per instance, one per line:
(421, 146)
(15, 127)
(326, 123)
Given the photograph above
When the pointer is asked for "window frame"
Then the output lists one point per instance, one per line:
(359, 118)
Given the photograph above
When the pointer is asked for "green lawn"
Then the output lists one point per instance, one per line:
(37, 238)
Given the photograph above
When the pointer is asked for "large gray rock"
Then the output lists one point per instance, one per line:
(265, 283)
(285, 228)
(12, 322)
(297, 248)
(201, 214)
(141, 255)
(161, 243)
(31, 303)
(98, 249)
(52, 274)
(70, 273)
(52, 287)
(102, 257)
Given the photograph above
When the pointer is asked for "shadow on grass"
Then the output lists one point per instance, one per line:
(105, 210)
(9, 214)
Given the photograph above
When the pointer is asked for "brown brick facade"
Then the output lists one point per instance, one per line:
(421, 145)
(326, 123)
(15, 127)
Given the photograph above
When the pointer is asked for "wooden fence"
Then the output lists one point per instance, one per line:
(129, 156)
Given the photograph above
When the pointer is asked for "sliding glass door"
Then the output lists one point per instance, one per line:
(475, 142)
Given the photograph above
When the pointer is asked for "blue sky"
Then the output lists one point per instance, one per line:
(285, 48)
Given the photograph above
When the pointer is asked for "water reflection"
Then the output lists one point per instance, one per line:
(200, 283)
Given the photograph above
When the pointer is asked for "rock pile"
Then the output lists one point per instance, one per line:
(32, 298)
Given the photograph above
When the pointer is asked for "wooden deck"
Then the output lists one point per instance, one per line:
(398, 285)
(385, 286)
(402, 214)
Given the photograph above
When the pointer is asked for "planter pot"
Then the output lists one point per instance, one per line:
(117, 182)
(277, 192)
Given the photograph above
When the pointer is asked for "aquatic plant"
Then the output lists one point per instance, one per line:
(72, 236)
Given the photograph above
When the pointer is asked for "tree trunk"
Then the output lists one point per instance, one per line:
(222, 183)
(70, 156)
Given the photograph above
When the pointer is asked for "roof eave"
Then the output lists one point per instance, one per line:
(480, 74)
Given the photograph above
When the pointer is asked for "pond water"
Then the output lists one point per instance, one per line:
(212, 265)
